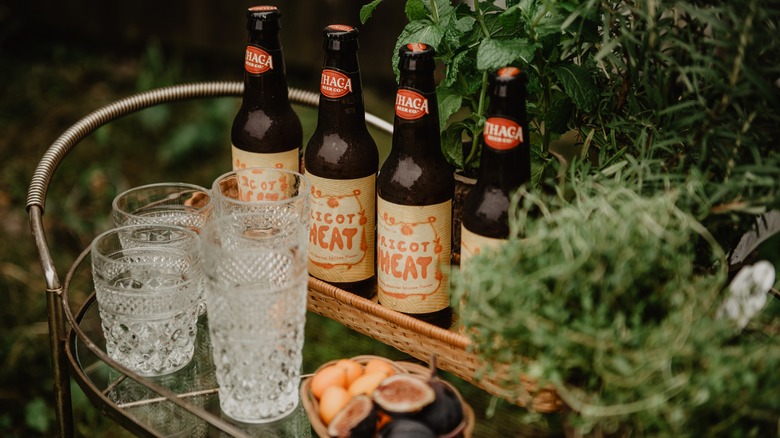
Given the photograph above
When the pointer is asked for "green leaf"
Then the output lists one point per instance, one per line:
(367, 10)
(449, 103)
(542, 168)
(444, 10)
(578, 85)
(557, 117)
(453, 68)
(416, 10)
(420, 31)
(452, 144)
(36, 415)
(455, 32)
(465, 24)
(496, 28)
(511, 18)
(493, 54)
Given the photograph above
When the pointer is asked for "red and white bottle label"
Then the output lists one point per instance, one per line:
(502, 134)
(410, 105)
(257, 61)
(413, 256)
(335, 84)
(341, 236)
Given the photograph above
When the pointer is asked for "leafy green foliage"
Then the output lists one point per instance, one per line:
(690, 86)
(609, 301)
(675, 110)
(578, 85)
(472, 42)
(37, 415)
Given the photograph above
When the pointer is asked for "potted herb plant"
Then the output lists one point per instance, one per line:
(474, 39)
(622, 273)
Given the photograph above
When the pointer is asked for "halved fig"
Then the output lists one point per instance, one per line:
(406, 428)
(403, 394)
(356, 420)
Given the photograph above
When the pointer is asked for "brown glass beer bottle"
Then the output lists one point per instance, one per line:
(414, 204)
(505, 165)
(341, 162)
(266, 131)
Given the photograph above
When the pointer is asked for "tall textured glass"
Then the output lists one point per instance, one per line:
(255, 264)
(259, 189)
(147, 279)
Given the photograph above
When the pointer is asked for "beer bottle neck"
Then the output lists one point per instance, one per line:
(503, 169)
(341, 91)
(416, 122)
(266, 84)
(501, 165)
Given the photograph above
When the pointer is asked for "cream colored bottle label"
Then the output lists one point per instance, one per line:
(341, 237)
(281, 160)
(259, 184)
(472, 244)
(413, 256)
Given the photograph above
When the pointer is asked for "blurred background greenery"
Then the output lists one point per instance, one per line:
(60, 62)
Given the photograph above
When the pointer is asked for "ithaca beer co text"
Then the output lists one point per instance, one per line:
(257, 60)
(502, 133)
(410, 104)
(335, 84)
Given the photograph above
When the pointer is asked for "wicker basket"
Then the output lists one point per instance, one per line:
(420, 339)
(310, 404)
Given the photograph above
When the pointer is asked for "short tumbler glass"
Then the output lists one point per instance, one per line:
(170, 203)
(256, 271)
(147, 279)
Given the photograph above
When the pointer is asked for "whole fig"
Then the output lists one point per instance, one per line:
(406, 428)
(445, 413)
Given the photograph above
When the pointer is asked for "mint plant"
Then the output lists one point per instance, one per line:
(470, 42)
(675, 109)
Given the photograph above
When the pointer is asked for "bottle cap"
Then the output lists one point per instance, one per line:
(340, 37)
(263, 18)
(505, 80)
(416, 56)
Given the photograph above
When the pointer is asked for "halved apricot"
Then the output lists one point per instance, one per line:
(331, 375)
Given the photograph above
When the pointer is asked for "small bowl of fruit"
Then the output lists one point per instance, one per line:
(371, 396)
